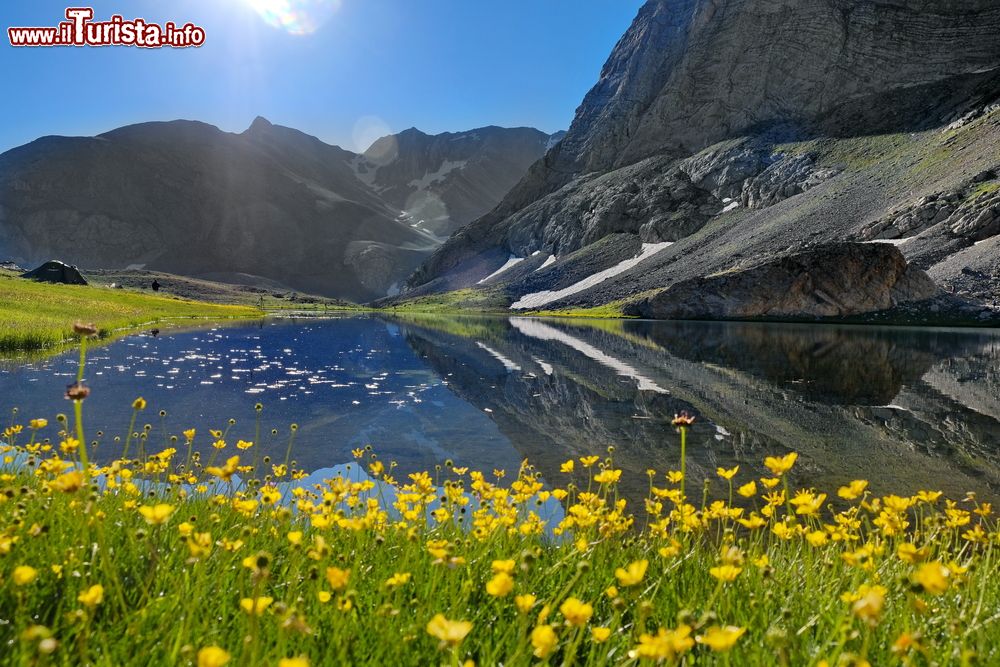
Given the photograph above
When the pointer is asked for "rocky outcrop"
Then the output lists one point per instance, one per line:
(788, 122)
(835, 280)
(272, 202)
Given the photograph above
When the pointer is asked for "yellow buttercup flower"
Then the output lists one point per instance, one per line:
(300, 661)
(500, 585)
(525, 602)
(779, 465)
(544, 641)
(139, 404)
(506, 566)
(398, 579)
(92, 597)
(295, 537)
(608, 476)
(588, 461)
(726, 573)
(853, 490)
(450, 633)
(256, 606)
(932, 578)
(727, 474)
(575, 611)
(189, 436)
(665, 645)
(212, 656)
(721, 639)
(24, 575)
(567, 467)
(633, 574)
(156, 515)
(600, 635)
(337, 578)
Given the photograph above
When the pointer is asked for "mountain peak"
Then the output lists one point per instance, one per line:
(260, 124)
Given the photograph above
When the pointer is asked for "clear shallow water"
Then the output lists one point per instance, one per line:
(906, 408)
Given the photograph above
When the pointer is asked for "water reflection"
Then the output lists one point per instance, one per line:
(906, 408)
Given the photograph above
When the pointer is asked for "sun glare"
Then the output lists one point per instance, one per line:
(297, 17)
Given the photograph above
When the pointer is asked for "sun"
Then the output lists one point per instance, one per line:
(297, 17)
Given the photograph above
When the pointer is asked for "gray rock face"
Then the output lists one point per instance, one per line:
(832, 280)
(184, 197)
(752, 127)
(446, 181)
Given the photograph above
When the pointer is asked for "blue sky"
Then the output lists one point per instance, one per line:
(373, 66)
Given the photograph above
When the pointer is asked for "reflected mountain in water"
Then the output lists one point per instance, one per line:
(907, 409)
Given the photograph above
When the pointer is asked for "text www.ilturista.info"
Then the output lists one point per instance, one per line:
(81, 30)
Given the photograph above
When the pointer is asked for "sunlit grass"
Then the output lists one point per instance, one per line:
(164, 557)
(35, 316)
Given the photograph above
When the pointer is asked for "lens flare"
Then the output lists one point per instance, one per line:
(297, 17)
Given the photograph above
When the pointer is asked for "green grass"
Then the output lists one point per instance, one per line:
(458, 301)
(36, 316)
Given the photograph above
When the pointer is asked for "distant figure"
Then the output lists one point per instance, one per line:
(155, 332)
(155, 285)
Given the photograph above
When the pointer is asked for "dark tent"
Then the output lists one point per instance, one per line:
(56, 272)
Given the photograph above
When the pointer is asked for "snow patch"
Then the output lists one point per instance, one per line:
(549, 370)
(549, 262)
(541, 331)
(731, 206)
(393, 290)
(891, 241)
(512, 261)
(507, 363)
(430, 179)
(538, 299)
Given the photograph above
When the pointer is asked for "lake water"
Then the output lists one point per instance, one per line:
(905, 408)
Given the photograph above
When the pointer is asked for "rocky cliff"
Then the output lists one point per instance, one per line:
(746, 130)
(271, 202)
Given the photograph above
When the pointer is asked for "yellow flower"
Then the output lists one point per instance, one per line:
(156, 515)
(727, 474)
(92, 597)
(398, 579)
(450, 633)
(909, 553)
(721, 639)
(189, 434)
(500, 585)
(567, 467)
(608, 476)
(633, 574)
(725, 573)
(932, 577)
(600, 635)
(524, 602)
(665, 645)
(243, 445)
(869, 603)
(212, 656)
(853, 490)
(24, 575)
(256, 606)
(295, 537)
(576, 612)
(37, 424)
(544, 641)
(337, 578)
(505, 566)
(300, 661)
(588, 461)
(139, 404)
(779, 465)
(817, 538)
(70, 482)
(675, 476)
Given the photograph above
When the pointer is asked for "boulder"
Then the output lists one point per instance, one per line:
(829, 280)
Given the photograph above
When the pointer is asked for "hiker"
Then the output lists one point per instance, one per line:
(155, 285)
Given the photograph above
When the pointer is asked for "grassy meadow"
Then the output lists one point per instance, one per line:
(161, 556)
(35, 316)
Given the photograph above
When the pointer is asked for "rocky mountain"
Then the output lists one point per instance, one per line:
(724, 135)
(268, 204)
(446, 181)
